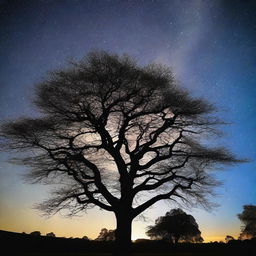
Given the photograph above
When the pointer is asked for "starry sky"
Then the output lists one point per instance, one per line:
(210, 46)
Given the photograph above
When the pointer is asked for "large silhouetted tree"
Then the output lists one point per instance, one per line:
(248, 217)
(175, 226)
(110, 132)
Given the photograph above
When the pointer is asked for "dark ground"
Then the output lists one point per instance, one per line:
(27, 245)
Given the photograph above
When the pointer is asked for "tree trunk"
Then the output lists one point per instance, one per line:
(123, 235)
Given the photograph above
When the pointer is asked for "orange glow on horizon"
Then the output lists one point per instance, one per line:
(79, 227)
(24, 219)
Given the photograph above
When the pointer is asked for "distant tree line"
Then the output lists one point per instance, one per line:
(24, 244)
(177, 226)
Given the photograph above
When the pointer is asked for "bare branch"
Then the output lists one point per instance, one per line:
(115, 130)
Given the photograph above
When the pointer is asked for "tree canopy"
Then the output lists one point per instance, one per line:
(248, 217)
(51, 234)
(35, 233)
(110, 133)
(229, 238)
(106, 235)
(175, 226)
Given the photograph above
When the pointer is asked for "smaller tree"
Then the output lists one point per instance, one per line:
(35, 233)
(85, 238)
(106, 235)
(248, 217)
(51, 234)
(175, 226)
(229, 238)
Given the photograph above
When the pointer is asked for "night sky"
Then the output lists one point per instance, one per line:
(211, 47)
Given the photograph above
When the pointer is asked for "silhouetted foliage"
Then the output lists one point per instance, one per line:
(35, 233)
(176, 226)
(229, 238)
(51, 234)
(24, 244)
(85, 238)
(106, 235)
(111, 131)
(248, 217)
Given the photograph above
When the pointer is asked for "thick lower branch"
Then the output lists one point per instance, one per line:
(159, 197)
